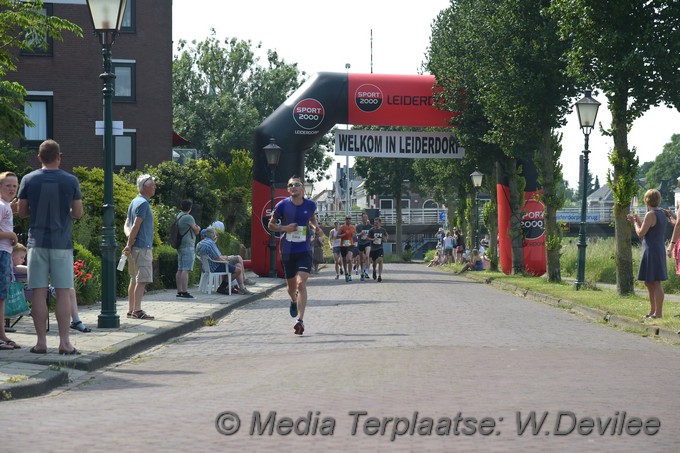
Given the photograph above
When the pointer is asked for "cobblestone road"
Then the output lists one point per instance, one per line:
(421, 348)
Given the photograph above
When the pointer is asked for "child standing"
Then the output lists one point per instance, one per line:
(9, 184)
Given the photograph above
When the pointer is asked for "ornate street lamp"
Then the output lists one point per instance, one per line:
(273, 152)
(587, 112)
(477, 177)
(309, 189)
(107, 16)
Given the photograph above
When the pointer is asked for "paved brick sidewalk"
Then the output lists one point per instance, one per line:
(23, 374)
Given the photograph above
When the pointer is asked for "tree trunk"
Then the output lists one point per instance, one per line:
(398, 247)
(547, 165)
(624, 186)
(491, 221)
(516, 202)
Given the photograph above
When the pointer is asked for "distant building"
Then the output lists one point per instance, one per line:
(65, 93)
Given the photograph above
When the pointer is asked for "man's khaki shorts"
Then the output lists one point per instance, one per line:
(139, 265)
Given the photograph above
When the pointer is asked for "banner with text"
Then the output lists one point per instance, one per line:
(410, 145)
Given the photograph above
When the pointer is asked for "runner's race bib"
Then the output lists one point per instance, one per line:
(300, 235)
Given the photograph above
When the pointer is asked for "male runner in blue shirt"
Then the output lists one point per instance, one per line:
(293, 216)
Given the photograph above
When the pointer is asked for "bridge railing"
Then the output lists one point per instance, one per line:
(431, 216)
(424, 216)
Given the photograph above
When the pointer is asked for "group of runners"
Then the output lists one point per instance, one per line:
(295, 218)
(356, 247)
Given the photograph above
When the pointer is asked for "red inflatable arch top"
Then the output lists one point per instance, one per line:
(324, 100)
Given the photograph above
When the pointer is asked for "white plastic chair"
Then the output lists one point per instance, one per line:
(210, 280)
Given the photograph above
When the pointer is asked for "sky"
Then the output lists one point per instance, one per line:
(324, 36)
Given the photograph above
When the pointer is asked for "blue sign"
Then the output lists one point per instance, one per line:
(442, 216)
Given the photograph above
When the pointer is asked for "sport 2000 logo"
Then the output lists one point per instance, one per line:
(532, 224)
(308, 113)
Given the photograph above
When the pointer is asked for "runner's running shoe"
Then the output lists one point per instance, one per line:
(374, 277)
(379, 278)
(293, 309)
(299, 327)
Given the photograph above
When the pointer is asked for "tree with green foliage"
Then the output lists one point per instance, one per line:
(192, 180)
(508, 54)
(20, 23)
(666, 167)
(631, 51)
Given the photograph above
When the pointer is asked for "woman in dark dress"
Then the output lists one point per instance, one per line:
(653, 262)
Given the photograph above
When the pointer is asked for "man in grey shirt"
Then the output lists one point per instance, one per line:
(51, 198)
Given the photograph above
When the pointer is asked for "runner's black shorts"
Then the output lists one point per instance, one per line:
(377, 253)
(362, 247)
(293, 263)
(344, 250)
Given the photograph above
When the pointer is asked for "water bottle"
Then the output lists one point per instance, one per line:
(121, 263)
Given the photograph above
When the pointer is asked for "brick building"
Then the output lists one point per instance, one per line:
(65, 91)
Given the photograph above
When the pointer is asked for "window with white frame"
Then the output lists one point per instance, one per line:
(38, 109)
(124, 83)
(124, 150)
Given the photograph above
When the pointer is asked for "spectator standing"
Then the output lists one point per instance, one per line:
(673, 249)
(51, 197)
(460, 246)
(652, 268)
(8, 239)
(449, 244)
(294, 216)
(185, 252)
(139, 246)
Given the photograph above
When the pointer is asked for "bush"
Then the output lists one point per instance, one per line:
(88, 292)
(166, 257)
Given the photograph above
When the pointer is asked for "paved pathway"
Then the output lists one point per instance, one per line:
(422, 345)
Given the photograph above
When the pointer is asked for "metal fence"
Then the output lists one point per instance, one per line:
(431, 216)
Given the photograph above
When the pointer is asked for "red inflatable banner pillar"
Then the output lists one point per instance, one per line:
(533, 227)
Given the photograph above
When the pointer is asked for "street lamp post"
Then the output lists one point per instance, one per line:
(586, 108)
(272, 151)
(477, 177)
(348, 195)
(107, 16)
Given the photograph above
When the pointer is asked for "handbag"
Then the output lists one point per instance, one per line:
(15, 304)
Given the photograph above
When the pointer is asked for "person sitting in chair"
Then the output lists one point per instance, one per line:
(233, 264)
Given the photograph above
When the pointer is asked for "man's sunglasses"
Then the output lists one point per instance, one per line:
(294, 184)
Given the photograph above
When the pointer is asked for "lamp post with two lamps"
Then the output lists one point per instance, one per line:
(586, 108)
(273, 152)
(107, 17)
(477, 177)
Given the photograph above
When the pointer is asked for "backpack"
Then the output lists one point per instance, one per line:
(175, 236)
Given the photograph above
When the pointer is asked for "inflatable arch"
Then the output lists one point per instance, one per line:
(324, 100)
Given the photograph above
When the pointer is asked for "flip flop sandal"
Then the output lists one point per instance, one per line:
(79, 326)
(4, 346)
(13, 344)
